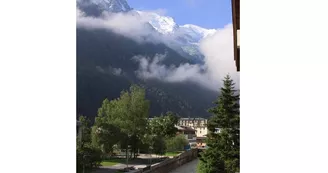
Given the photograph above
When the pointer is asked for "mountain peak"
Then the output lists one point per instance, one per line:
(96, 7)
(199, 30)
(112, 5)
(184, 39)
(163, 24)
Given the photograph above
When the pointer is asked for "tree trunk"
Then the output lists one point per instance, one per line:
(126, 152)
(134, 148)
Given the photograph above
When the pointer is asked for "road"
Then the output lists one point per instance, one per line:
(190, 167)
(141, 162)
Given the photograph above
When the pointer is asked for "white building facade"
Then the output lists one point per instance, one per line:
(198, 124)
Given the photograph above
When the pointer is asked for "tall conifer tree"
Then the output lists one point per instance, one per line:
(223, 141)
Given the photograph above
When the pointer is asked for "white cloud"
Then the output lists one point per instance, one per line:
(110, 70)
(218, 52)
(219, 62)
(101, 70)
(117, 71)
(129, 24)
(217, 49)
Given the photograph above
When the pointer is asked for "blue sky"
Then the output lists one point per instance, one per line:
(204, 13)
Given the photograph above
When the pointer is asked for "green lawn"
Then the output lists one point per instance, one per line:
(172, 153)
(111, 162)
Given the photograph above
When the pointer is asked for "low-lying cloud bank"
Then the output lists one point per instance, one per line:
(110, 70)
(219, 61)
(151, 68)
(129, 24)
(217, 49)
(219, 56)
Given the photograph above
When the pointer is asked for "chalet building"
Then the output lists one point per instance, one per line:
(200, 127)
(194, 129)
(188, 132)
(235, 4)
(198, 124)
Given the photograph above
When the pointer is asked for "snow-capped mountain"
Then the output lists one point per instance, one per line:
(163, 24)
(196, 33)
(112, 5)
(115, 6)
(188, 36)
(184, 39)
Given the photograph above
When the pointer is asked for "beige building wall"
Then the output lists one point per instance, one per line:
(201, 131)
(198, 124)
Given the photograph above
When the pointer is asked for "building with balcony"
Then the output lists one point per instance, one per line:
(194, 129)
(188, 132)
(198, 124)
(200, 127)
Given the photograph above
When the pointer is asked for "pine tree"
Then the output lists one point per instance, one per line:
(222, 156)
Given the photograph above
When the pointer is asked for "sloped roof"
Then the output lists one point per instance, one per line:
(193, 119)
(185, 128)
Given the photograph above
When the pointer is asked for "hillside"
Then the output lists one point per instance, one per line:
(105, 68)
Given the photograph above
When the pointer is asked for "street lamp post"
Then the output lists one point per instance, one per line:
(151, 149)
(127, 154)
(127, 158)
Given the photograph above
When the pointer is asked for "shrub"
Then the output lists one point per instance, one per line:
(176, 143)
(88, 156)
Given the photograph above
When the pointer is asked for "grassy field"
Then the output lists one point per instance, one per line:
(111, 162)
(172, 153)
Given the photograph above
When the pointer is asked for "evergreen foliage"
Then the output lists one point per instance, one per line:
(87, 156)
(222, 155)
